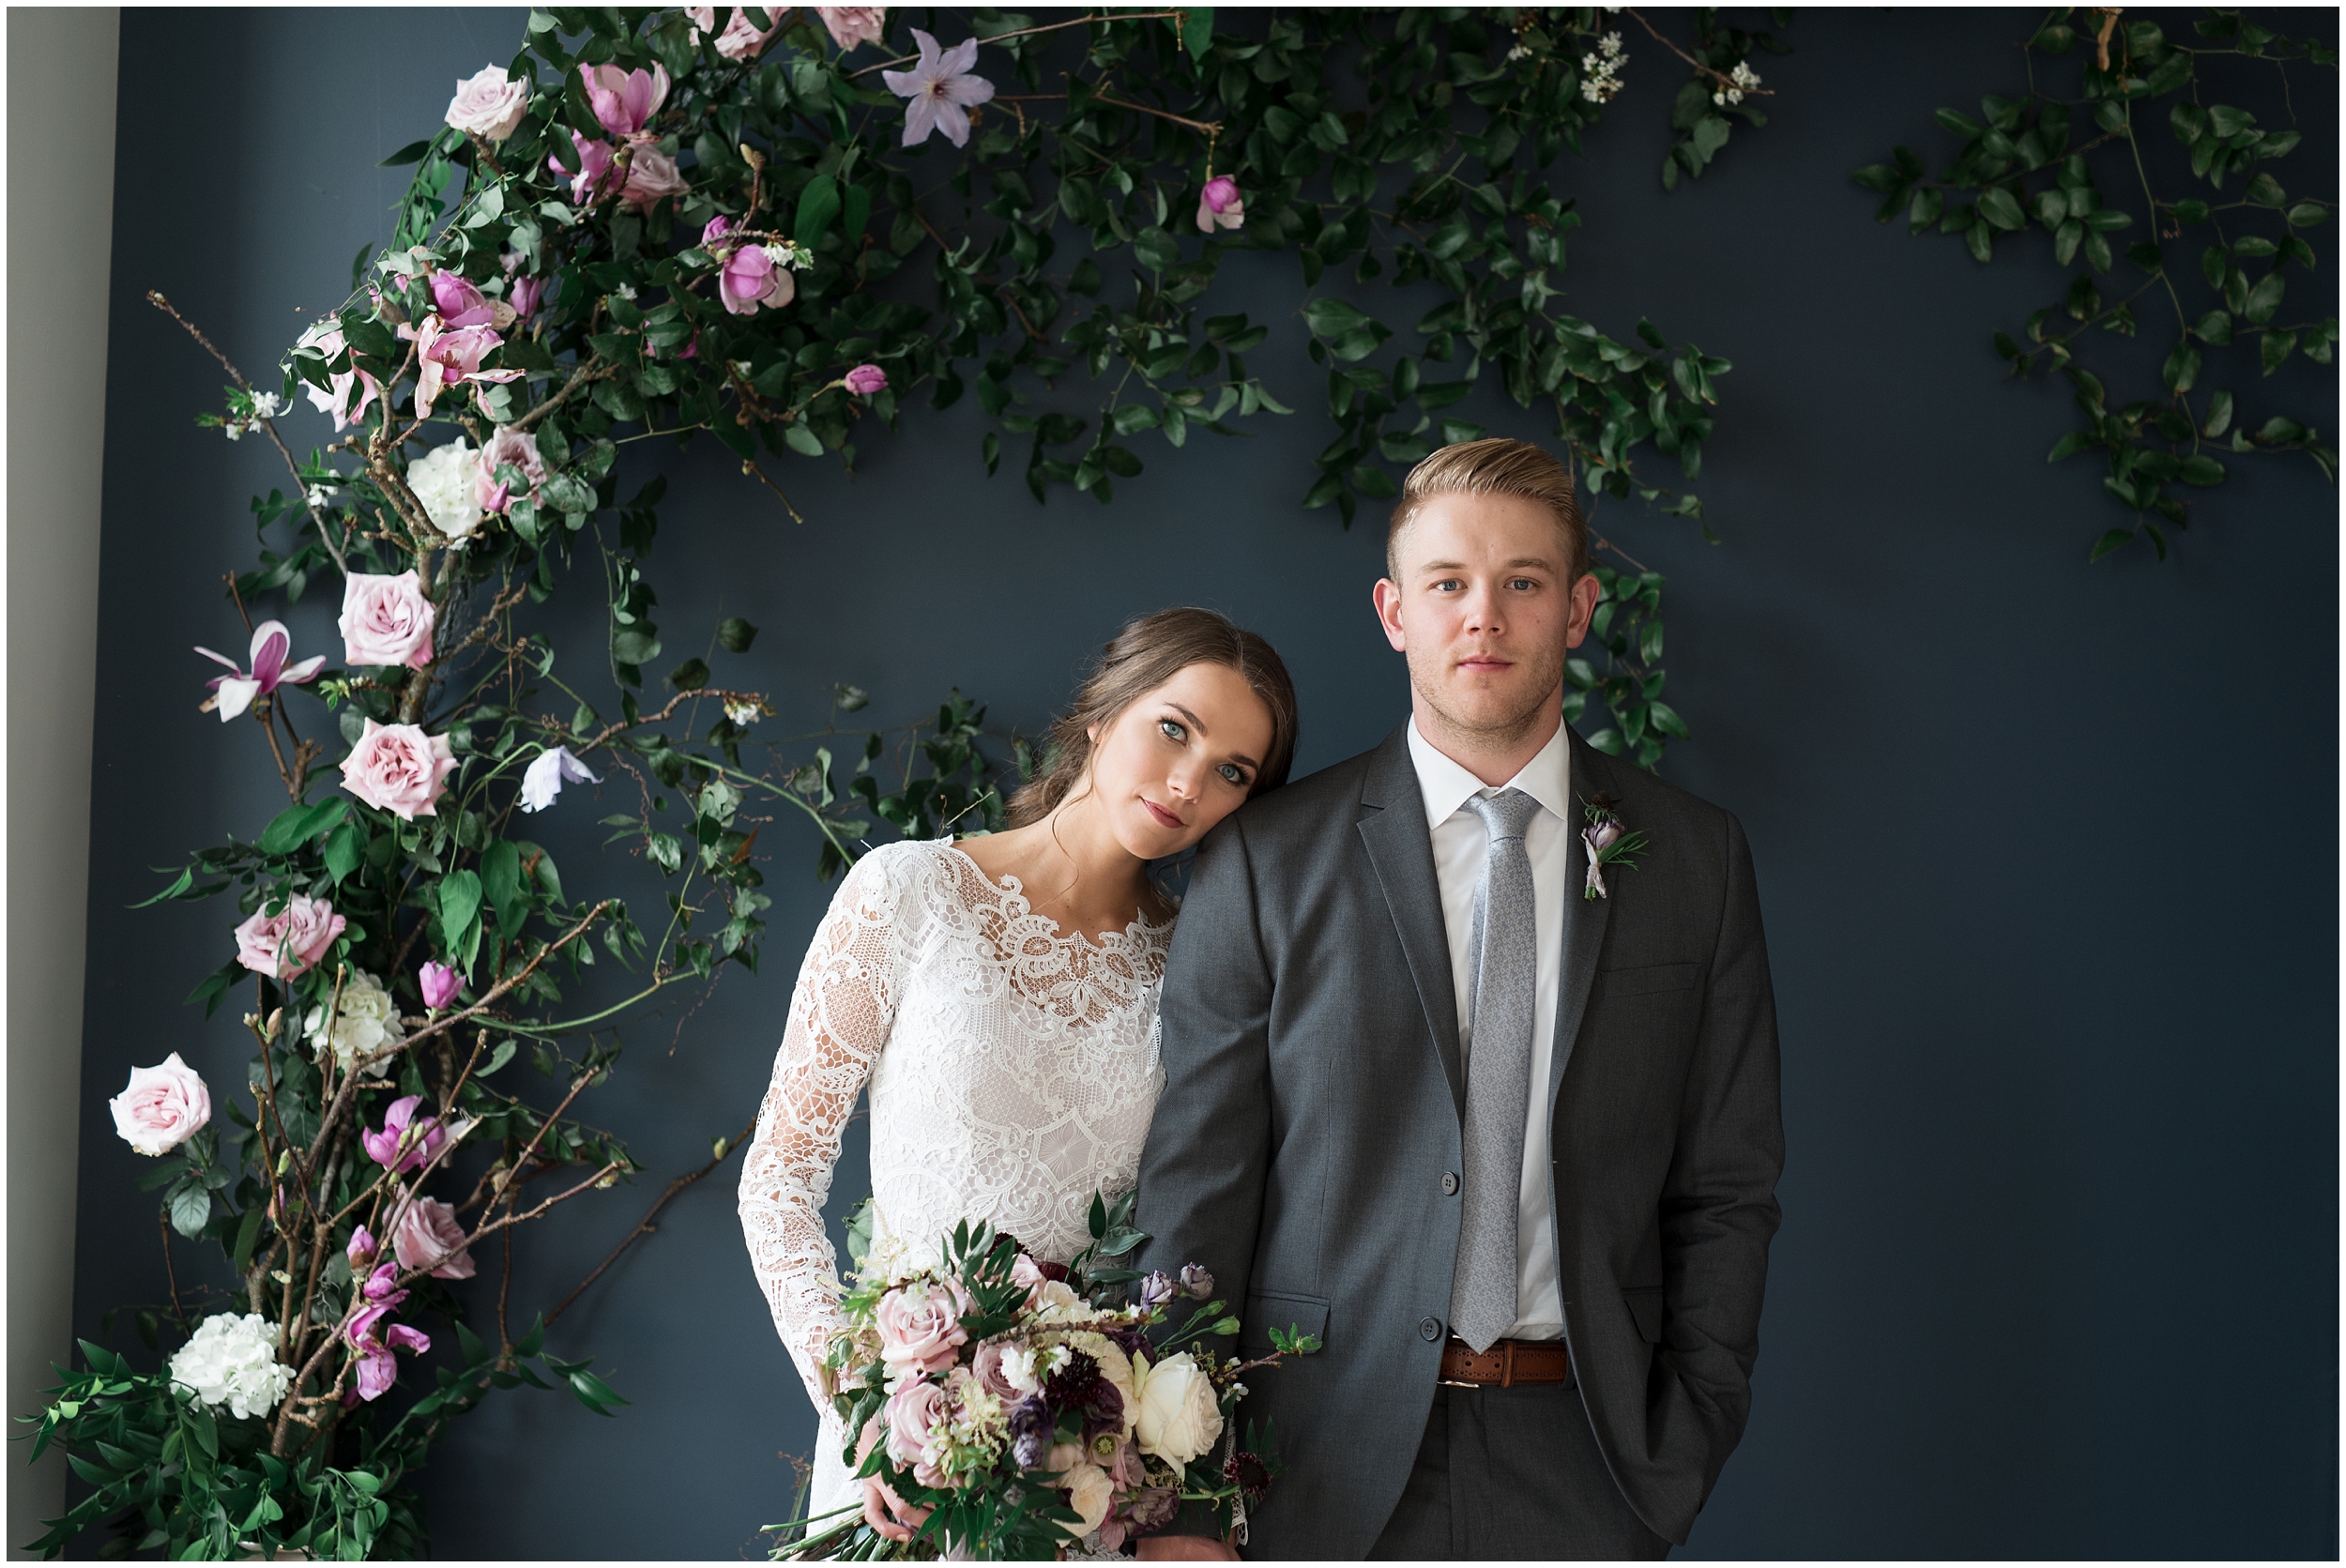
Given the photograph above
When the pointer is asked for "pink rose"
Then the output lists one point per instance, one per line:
(161, 1107)
(751, 279)
(986, 1366)
(386, 621)
(866, 379)
(651, 175)
(1219, 207)
(507, 447)
(850, 25)
(430, 1237)
(920, 1329)
(911, 1411)
(398, 769)
(402, 1144)
(740, 40)
(447, 357)
(285, 944)
(489, 103)
(326, 339)
(625, 102)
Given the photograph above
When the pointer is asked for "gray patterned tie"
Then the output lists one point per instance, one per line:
(1505, 947)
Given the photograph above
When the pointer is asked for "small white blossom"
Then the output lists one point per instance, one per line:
(789, 254)
(320, 496)
(625, 291)
(232, 1361)
(1520, 52)
(1744, 78)
(366, 1021)
(742, 713)
(267, 406)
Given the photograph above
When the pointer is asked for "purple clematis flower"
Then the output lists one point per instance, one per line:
(941, 89)
(233, 693)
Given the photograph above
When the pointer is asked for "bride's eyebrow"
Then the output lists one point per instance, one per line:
(1199, 725)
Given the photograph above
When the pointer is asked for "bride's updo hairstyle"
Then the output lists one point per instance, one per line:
(1144, 656)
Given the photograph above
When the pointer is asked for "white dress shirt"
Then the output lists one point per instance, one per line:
(1461, 844)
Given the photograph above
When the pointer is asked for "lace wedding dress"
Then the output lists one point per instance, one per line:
(1012, 1074)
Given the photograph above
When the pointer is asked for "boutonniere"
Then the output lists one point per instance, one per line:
(1610, 844)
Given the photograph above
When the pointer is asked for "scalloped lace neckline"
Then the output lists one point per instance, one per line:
(1137, 933)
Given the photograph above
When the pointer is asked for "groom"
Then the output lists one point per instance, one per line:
(1509, 1150)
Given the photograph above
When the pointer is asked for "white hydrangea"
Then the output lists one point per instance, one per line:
(442, 480)
(232, 1361)
(366, 1022)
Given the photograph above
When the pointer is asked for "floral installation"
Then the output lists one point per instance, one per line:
(1010, 1408)
(730, 224)
(1608, 844)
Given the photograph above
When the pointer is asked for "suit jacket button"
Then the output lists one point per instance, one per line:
(1450, 1184)
(1429, 1329)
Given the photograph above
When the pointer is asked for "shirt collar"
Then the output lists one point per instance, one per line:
(1446, 786)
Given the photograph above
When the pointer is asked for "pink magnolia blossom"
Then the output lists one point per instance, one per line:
(851, 26)
(161, 1107)
(430, 1237)
(941, 90)
(489, 103)
(593, 171)
(403, 1144)
(326, 339)
(447, 357)
(399, 768)
(507, 449)
(378, 1370)
(920, 1328)
(740, 40)
(625, 102)
(362, 1250)
(650, 176)
(864, 380)
(524, 294)
(233, 693)
(386, 621)
(461, 304)
(1219, 205)
(439, 985)
(751, 279)
(285, 944)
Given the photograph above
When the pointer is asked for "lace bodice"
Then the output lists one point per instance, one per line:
(1013, 1072)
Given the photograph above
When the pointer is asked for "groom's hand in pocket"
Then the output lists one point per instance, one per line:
(1185, 1548)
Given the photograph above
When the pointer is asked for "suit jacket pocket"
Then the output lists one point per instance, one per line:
(1645, 1307)
(1267, 1310)
(1648, 979)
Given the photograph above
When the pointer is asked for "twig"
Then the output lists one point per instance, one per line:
(587, 371)
(1024, 32)
(162, 1223)
(643, 1226)
(750, 469)
(1722, 78)
(1203, 127)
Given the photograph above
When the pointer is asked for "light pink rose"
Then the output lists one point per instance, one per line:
(920, 1328)
(489, 103)
(625, 102)
(651, 175)
(285, 944)
(1219, 207)
(986, 1366)
(850, 25)
(910, 1412)
(430, 1237)
(398, 769)
(740, 40)
(866, 379)
(507, 447)
(162, 1107)
(386, 621)
(447, 357)
(326, 339)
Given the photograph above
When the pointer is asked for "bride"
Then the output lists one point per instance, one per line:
(999, 993)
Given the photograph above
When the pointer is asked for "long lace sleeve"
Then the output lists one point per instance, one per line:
(840, 1016)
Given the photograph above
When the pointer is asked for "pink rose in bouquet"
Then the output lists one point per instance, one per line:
(430, 1237)
(285, 944)
(489, 103)
(649, 176)
(161, 1107)
(507, 449)
(911, 1412)
(399, 768)
(852, 25)
(386, 621)
(740, 40)
(920, 1329)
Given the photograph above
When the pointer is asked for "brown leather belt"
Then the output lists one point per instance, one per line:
(1507, 1362)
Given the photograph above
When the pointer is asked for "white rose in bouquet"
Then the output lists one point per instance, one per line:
(232, 1361)
(1180, 1415)
(442, 480)
(1091, 1494)
(366, 1021)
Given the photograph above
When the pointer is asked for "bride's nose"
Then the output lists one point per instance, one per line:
(1186, 783)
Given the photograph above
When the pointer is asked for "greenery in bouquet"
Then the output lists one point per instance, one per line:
(1008, 1406)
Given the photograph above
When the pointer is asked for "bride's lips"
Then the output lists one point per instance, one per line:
(1164, 818)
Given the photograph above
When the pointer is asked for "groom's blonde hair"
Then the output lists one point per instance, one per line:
(1495, 466)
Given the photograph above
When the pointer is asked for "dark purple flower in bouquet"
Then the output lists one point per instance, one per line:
(1196, 1282)
(1133, 1341)
(1248, 1473)
(1152, 1509)
(1030, 1432)
(1158, 1289)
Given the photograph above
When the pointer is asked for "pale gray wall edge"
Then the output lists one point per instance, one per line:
(61, 81)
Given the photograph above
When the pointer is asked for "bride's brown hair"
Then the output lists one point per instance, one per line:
(1144, 656)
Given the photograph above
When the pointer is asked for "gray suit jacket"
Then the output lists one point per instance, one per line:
(1314, 1101)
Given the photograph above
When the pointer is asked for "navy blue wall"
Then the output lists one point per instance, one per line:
(2047, 851)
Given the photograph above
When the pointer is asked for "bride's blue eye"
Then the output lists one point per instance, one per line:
(1234, 773)
(1172, 730)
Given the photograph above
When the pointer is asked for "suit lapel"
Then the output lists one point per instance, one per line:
(1585, 919)
(1401, 848)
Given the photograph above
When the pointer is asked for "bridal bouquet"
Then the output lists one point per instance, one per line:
(1010, 1408)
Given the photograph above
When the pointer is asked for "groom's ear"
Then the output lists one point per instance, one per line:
(1387, 594)
(1584, 592)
